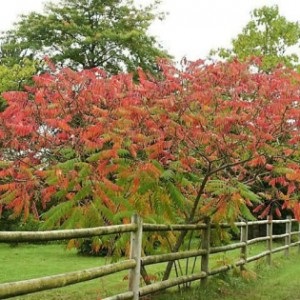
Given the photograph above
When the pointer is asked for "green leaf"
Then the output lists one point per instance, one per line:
(177, 198)
(124, 153)
(4, 164)
(68, 165)
(82, 193)
(246, 213)
(74, 220)
(52, 218)
(7, 197)
(216, 187)
(59, 195)
(94, 157)
(85, 171)
(67, 153)
(282, 170)
(146, 186)
(167, 175)
(246, 193)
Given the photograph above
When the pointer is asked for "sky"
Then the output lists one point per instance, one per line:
(192, 27)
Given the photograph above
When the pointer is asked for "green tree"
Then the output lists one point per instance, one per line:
(268, 35)
(15, 78)
(111, 34)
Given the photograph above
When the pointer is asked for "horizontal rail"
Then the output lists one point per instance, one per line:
(258, 256)
(283, 221)
(281, 248)
(279, 236)
(18, 288)
(55, 235)
(123, 296)
(259, 239)
(172, 227)
(295, 244)
(227, 247)
(261, 222)
(154, 259)
(159, 286)
(227, 267)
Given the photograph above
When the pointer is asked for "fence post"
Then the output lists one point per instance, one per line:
(135, 253)
(205, 246)
(288, 230)
(299, 238)
(270, 240)
(244, 238)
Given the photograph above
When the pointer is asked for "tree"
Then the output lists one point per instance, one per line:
(82, 149)
(15, 78)
(268, 35)
(110, 34)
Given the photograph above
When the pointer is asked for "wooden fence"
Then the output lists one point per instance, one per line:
(135, 261)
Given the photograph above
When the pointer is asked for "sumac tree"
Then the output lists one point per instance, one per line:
(83, 149)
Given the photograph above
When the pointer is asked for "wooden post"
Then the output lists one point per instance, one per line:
(244, 238)
(205, 246)
(288, 230)
(269, 241)
(299, 238)
(135, 253)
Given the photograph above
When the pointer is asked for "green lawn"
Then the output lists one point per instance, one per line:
(30, 261)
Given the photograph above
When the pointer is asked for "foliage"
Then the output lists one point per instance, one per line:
(269, 36)
(111, 34)
(15, 77)
(82, 149)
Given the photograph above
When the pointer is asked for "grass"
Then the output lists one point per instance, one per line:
(260, 282)
(31, 261)
(27, 261)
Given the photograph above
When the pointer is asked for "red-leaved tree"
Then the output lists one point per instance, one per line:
(81, 149)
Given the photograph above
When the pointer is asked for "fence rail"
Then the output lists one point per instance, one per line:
(135, 262)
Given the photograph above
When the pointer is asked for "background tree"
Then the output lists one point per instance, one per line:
(110, 34)
(268, 35)
(15, 78)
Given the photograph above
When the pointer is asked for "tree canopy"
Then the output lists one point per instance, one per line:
(86, 149)
(110, 34)
(268, 35)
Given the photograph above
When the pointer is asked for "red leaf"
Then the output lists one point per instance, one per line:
(265, 212)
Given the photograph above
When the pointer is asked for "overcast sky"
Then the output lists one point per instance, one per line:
(192, 28)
